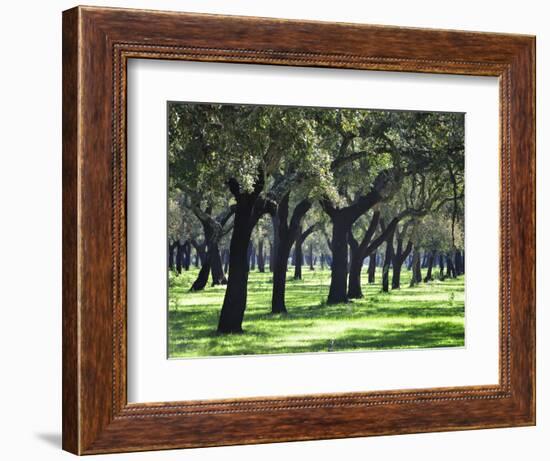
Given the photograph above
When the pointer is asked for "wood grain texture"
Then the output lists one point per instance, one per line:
(97, 42)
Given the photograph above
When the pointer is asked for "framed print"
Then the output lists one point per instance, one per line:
(284, 230)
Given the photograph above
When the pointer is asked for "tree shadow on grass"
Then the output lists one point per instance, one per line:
(419, 336)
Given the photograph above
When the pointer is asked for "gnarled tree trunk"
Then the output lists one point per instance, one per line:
(248, 210)
(285, 237)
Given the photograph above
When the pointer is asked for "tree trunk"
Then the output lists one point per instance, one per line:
(186, 255)
(396, 276)
(354, 290)
(179, 257)
(441, 267)
(398, 258)
(202, 279)
(323, 261)
(271, 256)
(298, 257)
(311, 260)
(280, 266)
(234, 303)
(386, 265)
(171, 257)
(339, 275)
(451, 271)
(218, 276)
(416, 269)
(251, 256)
(285, 236)
(458, 263)
(225, 260)
(261, 258)
(430, 263)
(372, 266)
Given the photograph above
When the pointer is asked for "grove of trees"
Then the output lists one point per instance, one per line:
(346, 190)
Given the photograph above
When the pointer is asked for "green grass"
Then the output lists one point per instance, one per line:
(426, 316)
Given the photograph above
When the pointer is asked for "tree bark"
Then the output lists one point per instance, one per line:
(218, 276)
(261, 256)
(360, 250)
(271, 256)
(298, 256)
(311, 260)
(202, 278)
(430, 264)
(171, 257)
(285, 237)
(251, 256)
(179, 257)
(416, 269)
(342, 219)
(280, 267)
(225, 261)
(339, 274)
(441, 267)
(451, 271)
(458, 263)
(372, 266)
(398, 258)
(387, 263)
(248, 210)
(186, 255)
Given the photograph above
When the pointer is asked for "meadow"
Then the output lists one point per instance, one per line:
(429, 315)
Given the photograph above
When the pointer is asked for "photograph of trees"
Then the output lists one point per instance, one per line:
(307, 229)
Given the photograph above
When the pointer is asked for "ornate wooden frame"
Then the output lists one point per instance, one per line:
(97, 43)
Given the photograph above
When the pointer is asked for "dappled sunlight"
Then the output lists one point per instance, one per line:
(425, 316)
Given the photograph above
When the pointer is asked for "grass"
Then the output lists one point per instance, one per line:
(426, 316)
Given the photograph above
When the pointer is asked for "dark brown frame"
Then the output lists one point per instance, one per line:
(97, 42)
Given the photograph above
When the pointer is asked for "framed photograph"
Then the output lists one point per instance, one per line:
(284, 230)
